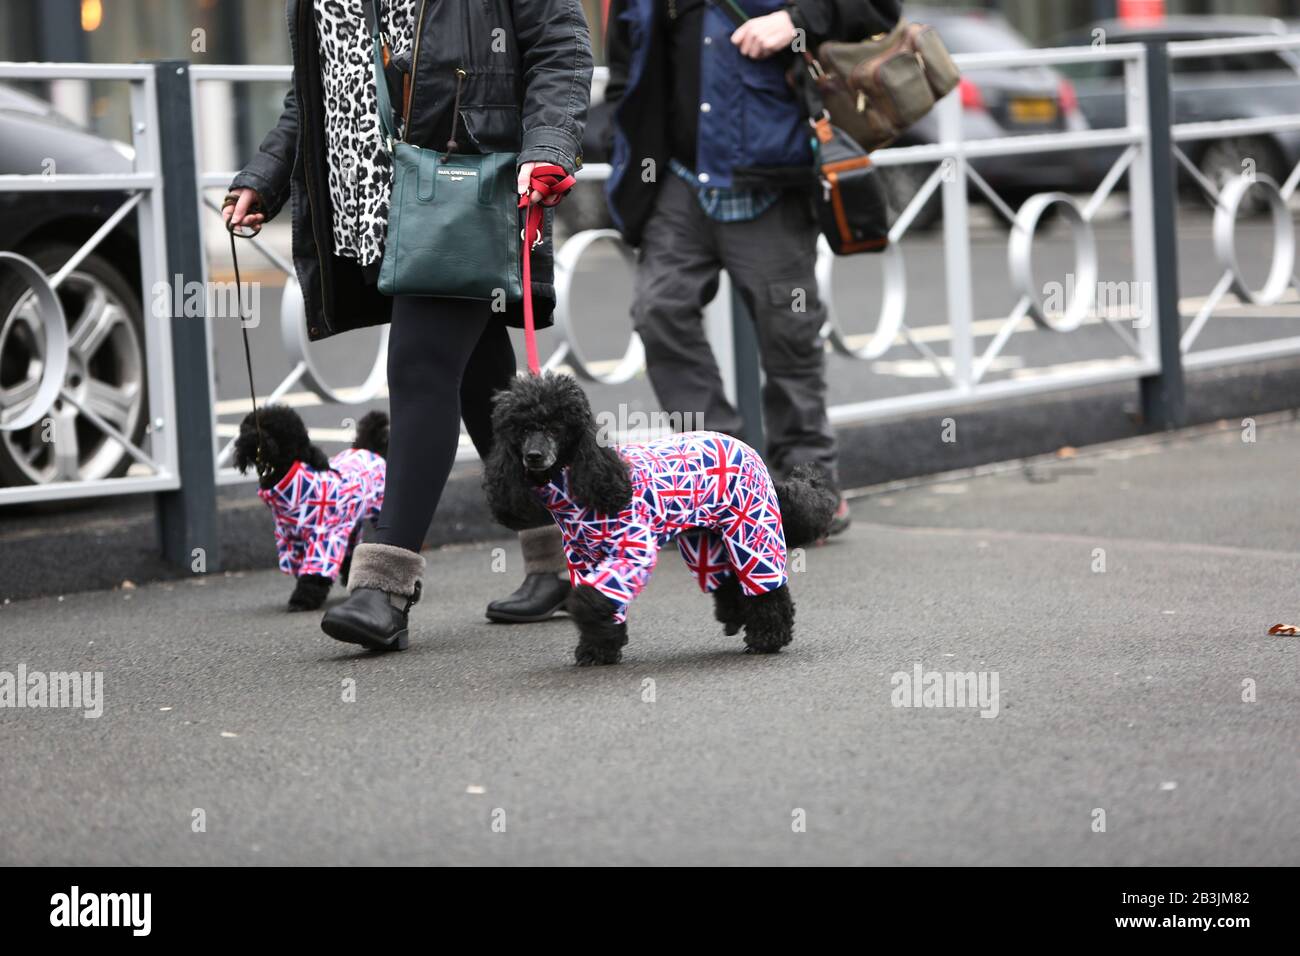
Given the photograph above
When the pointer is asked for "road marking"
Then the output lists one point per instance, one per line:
(924, 368)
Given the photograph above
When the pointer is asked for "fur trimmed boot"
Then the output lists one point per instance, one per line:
(546, 580)
(383, 581)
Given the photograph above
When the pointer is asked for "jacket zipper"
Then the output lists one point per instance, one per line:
(306, 169)
(415, 61)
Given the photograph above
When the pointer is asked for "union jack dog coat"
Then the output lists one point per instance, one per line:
(318, 513)
(710, 491)
(617, 507)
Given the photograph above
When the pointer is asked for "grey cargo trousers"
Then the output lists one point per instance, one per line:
(771, 261)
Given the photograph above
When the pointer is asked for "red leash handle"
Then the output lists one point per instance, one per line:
(552, 182)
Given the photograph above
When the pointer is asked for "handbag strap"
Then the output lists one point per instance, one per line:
(547, 179)
(373, 22)
(552, 182)
(731, 10)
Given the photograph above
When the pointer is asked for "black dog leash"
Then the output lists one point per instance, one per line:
(263, 469)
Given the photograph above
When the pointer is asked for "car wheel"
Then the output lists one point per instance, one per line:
(904, 182)
(106, 372)
(1227, 159)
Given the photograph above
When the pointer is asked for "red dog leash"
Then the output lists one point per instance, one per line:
(552, 182)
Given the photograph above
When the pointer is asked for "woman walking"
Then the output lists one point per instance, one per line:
(488, 76)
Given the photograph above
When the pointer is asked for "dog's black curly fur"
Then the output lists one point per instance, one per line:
(600, 638)
(808, 501)
(556, 407)
(552, 412)
(284, 440)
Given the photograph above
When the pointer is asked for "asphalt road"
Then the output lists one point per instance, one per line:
(1119, 690)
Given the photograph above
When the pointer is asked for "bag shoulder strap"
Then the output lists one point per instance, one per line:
(373, 21)
(730, 9)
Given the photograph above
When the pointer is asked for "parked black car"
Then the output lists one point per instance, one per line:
(996, 103)
(1239, 86)
(101, 299)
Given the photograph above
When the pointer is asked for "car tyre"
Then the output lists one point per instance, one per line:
(107, 370)
(1224, 160)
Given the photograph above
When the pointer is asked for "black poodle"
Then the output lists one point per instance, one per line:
(616, 507)
(318, 503)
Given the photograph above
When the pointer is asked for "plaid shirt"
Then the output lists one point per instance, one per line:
(728, 205)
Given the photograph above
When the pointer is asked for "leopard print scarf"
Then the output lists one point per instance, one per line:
(360, 170)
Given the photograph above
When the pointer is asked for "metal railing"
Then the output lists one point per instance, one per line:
(1226, 200)
(53, 402)
(967, 374)
(304, 371)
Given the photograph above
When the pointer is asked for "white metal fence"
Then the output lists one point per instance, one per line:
(1227, 200)
(55, 388)
(975, 341)
(965, 376)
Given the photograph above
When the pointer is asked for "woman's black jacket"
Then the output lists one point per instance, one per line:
(527, 84)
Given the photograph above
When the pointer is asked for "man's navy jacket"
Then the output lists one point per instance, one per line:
(753, 121)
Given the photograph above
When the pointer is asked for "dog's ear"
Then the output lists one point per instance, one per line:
(245, 447)
(511, 498)
(318, 460)
(244, 451)
(598, 477)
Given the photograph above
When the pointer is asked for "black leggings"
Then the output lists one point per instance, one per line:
(445, 359)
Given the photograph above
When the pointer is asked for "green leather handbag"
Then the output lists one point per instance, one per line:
(453, 219)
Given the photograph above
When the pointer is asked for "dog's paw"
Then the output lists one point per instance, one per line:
(766, 643)
(309, 593)
(727, 607)
(593, 655)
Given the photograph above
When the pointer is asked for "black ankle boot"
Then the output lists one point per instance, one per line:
(384, 582)
(538, 598)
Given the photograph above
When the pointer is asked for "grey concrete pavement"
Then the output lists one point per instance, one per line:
(1119, 690)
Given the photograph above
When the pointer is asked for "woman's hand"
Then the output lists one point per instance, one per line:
(238, 212)
(525, 177)
(760, 37)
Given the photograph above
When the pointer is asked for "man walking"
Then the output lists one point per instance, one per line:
(712, 166)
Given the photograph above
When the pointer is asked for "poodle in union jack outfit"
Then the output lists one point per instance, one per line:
(709, 491)
(319, 504)
(617, 507)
